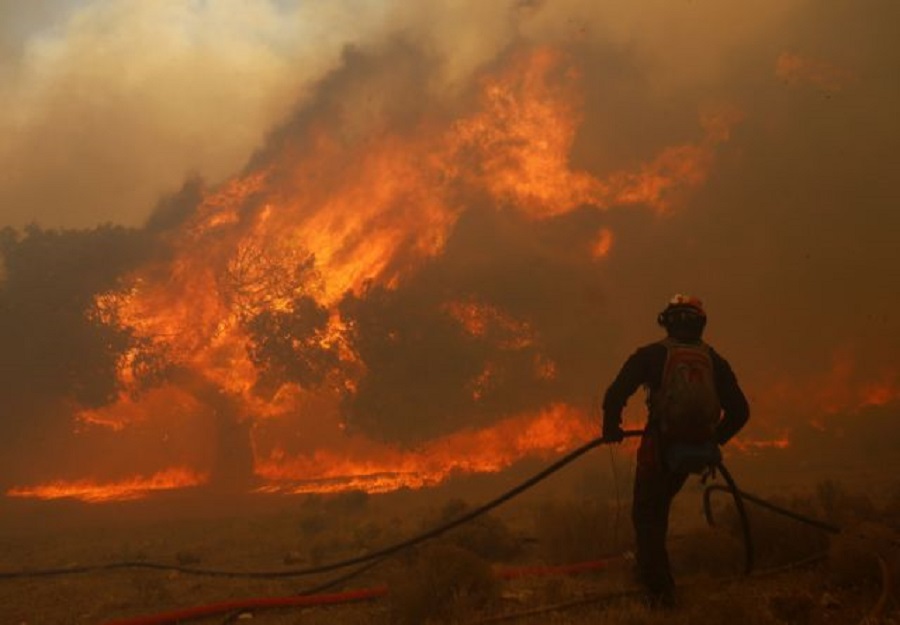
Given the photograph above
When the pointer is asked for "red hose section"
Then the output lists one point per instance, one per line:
(225, 607)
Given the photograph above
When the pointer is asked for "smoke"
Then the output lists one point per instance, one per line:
(118, 102)
(778, 122)
(107, 106)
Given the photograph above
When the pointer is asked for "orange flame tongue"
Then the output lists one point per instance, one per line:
(374, 468)
(131, 488)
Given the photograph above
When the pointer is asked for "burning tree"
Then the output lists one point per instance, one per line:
(350, 302)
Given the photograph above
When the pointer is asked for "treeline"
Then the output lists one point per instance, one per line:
(51, 348)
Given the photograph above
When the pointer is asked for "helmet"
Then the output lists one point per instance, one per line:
(684, 314)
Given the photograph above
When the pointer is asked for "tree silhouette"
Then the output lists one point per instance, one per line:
(52, 346)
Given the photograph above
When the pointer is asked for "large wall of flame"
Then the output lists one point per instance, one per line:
(789, 231)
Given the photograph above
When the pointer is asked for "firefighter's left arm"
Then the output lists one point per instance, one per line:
(736, 410)
(629, 379)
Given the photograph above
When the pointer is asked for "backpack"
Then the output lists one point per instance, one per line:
(685, 408)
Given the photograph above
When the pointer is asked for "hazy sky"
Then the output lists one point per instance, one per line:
(107, 105)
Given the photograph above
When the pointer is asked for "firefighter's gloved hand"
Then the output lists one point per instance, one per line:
(613, 433)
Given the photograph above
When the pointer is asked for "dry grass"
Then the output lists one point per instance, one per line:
(853, 561)
(777, 539)
(842, 507)
(448, 580)
(707, 551)
(487, 536)
(439, 583)
(573, 531)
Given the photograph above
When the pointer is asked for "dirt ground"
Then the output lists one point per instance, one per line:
(240, 532)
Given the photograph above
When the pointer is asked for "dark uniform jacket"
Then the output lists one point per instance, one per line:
(645, 368)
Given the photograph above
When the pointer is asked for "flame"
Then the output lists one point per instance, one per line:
(881, 392)
(840, 389)
(482, 383)
(135, 487)
(544, 368)
(129, 410)
(526, 141)
(375, 210)
(383, 468)
(327, 215)
(750, 446)
(602, 243)
(480, 320)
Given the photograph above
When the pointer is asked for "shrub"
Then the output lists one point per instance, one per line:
(841, 507)
(706, 605)
(891, 512)
(709, 551)
(188, 557)
(795, 608)
(350, 502)
(778, 539)
(853, 555)
(312, 523)
(575, 531)
(367, 535)
(486, 535)
(324, 548)
(438, 583)
(732, 605)
(852, 562)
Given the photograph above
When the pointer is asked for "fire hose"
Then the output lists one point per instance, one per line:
(239, 606)
(369, 560)
(332, 566)
(742, 514)
(713, 488)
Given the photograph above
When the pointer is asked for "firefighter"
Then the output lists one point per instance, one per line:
(694, 405)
